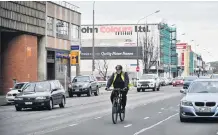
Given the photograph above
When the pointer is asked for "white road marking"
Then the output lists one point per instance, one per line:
(217, 133)
(73, 125)
(147, 128)
(146, 118)
(159, 112)
(162, 108)
(97, 118)
(128, 125)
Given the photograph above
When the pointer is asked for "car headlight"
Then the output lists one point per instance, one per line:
(70, 86)
(139, 84)
(186, 103)
(18, 98)
(40, 98)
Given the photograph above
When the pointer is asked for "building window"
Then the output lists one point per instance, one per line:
(50, 26)
(62, 29)
(74, 31)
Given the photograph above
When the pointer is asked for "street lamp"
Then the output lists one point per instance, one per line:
(137, 51)
(93, 40)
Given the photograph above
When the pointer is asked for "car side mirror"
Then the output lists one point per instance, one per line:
(183, 91)
(19, 90)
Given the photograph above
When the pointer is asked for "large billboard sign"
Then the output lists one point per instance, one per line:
(112, 53)
(113, 29)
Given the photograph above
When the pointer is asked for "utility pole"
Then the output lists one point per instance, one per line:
(93, 40)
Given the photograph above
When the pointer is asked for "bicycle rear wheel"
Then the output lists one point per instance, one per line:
(121, 113)
(114, 112)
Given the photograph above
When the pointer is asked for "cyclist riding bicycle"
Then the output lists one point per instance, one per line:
(119, 79)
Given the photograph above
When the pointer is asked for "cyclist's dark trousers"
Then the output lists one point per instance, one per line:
(124, 97)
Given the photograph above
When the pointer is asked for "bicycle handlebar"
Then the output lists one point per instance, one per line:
(115, 89)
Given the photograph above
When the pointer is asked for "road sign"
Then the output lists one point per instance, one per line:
(74, 57)
(137, 69)
(74, 47)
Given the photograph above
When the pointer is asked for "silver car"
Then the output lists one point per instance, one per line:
(200, 100)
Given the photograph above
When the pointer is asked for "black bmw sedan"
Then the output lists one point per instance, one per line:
(43, 94)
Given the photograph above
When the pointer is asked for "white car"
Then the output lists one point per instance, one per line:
(14, 91)
(148, 81)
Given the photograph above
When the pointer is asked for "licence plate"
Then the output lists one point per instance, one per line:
(204, 109)
(77, 90)
(144, 86)
(28, 103)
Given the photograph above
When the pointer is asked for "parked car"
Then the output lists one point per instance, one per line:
(170, 81)
(14, 91)
(188, 80)
(214, 76)
(162, 81)
(148, 81)
(43, 94)
(200, 100)
(177, 81)
(84, 84)
(204, 77)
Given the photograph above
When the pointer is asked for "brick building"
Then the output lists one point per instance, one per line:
(32, 34)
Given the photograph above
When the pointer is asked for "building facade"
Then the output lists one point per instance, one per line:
(123, 36)
(34, 37)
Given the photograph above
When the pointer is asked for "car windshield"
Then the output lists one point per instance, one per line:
(190, 78)
(19, 86)
(81, 79)
(37, 87)
(147, 77)
(204, 87)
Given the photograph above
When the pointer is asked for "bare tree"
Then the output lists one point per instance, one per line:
(150, 54)
(102, 67)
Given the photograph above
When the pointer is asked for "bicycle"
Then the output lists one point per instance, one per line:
(117, 107)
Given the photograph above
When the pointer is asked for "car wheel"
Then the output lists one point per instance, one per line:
(158, 89)
(154, 88)
(70, 94)
(89, 92)
(18, 108)
(138, 90)
(50, 106)
(97, 92)
(62, 104)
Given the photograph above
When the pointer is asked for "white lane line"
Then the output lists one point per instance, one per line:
(147, 128)
(97, 118)
(146, 118)
(73, 125)
(159, 112)
(128, 125)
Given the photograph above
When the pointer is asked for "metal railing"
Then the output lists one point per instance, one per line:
(67, 5)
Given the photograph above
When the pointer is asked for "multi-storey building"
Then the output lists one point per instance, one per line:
(32, 34)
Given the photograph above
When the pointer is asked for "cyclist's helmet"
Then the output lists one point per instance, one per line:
(119, 67)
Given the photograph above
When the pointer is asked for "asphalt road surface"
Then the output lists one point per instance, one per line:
(147, 113)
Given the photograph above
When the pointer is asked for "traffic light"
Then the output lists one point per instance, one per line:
(74, 57)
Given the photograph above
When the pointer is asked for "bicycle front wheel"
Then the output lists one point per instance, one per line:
(114, 112)
(121, 112)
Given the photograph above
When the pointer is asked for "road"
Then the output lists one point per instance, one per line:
(148, 113)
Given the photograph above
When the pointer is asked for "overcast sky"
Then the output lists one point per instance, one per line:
(198, 20)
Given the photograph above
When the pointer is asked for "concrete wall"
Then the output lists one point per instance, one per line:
(42, 54)
(26, 16)
(19, 59)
